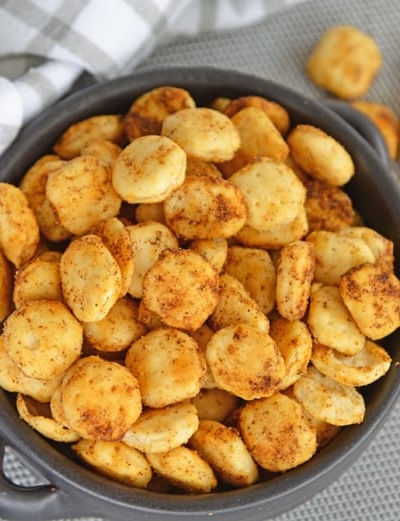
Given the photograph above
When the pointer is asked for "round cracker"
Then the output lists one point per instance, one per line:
(181, 288)
(19, 230)
(79, 134)
(372, 295)
(91, 279)
(115, 460)
(226, 452)
(245, 361)
(117, 330)
(320, 155)
(258, 135)
(328, 400)
(363, 368)
(149, 169)
(204, 133)
(331, 323)
(81, 194)
(39, 279)
(38, 416)
(277, 432)
(185, 469)
(205, 207)
(43, 338)
(294, 275)
(344, 61)
(160, 430)
(100, 399)
(14, 380)
(169, 365)
(273, 193)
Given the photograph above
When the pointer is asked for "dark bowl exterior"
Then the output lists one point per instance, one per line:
(76, 491)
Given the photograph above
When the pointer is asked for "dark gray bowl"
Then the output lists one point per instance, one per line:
(75, 491)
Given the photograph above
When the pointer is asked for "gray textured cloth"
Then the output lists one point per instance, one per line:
(277, 49)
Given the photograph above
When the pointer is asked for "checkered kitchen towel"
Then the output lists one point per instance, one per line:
(45, 45)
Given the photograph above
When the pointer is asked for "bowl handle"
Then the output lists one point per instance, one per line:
(37, 503)
(363, 125)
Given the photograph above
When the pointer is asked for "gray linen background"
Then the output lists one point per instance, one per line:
(277, 48)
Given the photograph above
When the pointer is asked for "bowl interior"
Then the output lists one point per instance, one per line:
(376, 196)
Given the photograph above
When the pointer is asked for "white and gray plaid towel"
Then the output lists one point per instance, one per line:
(45, 45)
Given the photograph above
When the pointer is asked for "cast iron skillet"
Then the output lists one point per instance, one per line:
(75, 491)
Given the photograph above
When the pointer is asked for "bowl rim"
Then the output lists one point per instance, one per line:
(89, 100)
(282, 492)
